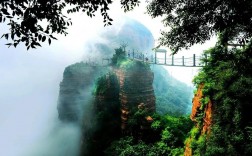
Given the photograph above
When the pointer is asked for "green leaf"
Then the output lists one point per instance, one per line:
(33, 46)
(43, 38)
(53, 37)
(49, 41)
(12, 36)
(6, 36)
(40, 37)
(15, 44)
(18, 33)
(37, 44)
(5, 11)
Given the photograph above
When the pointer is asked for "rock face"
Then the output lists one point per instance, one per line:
(196, 103)
(188, 149)
(200, 108)
(105, 126)
(202, 116)
(207, 120)
(117, 93)
(135, 88)
(75, 90)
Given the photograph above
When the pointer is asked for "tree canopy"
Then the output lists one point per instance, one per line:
(191, 22)
(35, 21)
(195, 21)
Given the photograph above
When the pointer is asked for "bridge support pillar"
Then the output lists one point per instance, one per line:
(165, 58)
(194, 61)
(155, 57)
(172, 60)
(183, 61)
(206, 59)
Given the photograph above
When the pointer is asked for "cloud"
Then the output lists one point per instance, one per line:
(29, 82)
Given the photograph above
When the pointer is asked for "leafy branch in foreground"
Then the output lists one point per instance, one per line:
(33, 22)
(196, 21)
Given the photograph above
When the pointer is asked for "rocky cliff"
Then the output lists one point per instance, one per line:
(105, 126)
(202, 117)
(118, 93)
(202, 111)
(75, 90)
(135, 80)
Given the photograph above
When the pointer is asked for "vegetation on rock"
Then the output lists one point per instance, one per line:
(227, 82)
(172, 96)
(165, 136)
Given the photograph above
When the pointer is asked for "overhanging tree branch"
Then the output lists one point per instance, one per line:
(23, 17)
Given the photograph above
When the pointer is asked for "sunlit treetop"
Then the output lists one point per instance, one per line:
(195, 21)
(36, 21)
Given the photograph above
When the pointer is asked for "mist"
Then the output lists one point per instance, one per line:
(29, 90)
(29, 83)
(29, 87)
(28, 101)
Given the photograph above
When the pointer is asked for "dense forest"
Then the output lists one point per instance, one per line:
(172, 96)
(227, 83)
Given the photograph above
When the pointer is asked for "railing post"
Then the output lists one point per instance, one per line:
(155, 57)
(165, 58)
(133, 54)
(205, 59)
(194, 61)
(172, 60)
(143, 57)
(183, 61)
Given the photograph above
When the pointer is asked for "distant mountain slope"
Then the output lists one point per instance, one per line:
(75, 90)
(172, 96)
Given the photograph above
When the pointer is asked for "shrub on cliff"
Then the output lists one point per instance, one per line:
(228, 81)
(118, 57)
(170, 133)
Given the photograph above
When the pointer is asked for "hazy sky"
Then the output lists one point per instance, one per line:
(29, 80)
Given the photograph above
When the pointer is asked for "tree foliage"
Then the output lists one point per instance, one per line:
(172, 96)
(227, 81)
(118, 57)
(36, 21)
(170, 133)
(191, 22)
(195, 21)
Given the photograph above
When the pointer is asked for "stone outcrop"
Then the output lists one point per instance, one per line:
(135, 88)
(105, 125)
(75, 90)
(188, 149)
(199, 108)
(117, 93)
(196, 103)
(202, 116)
(207, 120)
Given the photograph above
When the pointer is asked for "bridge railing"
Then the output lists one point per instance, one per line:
(194, 61)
